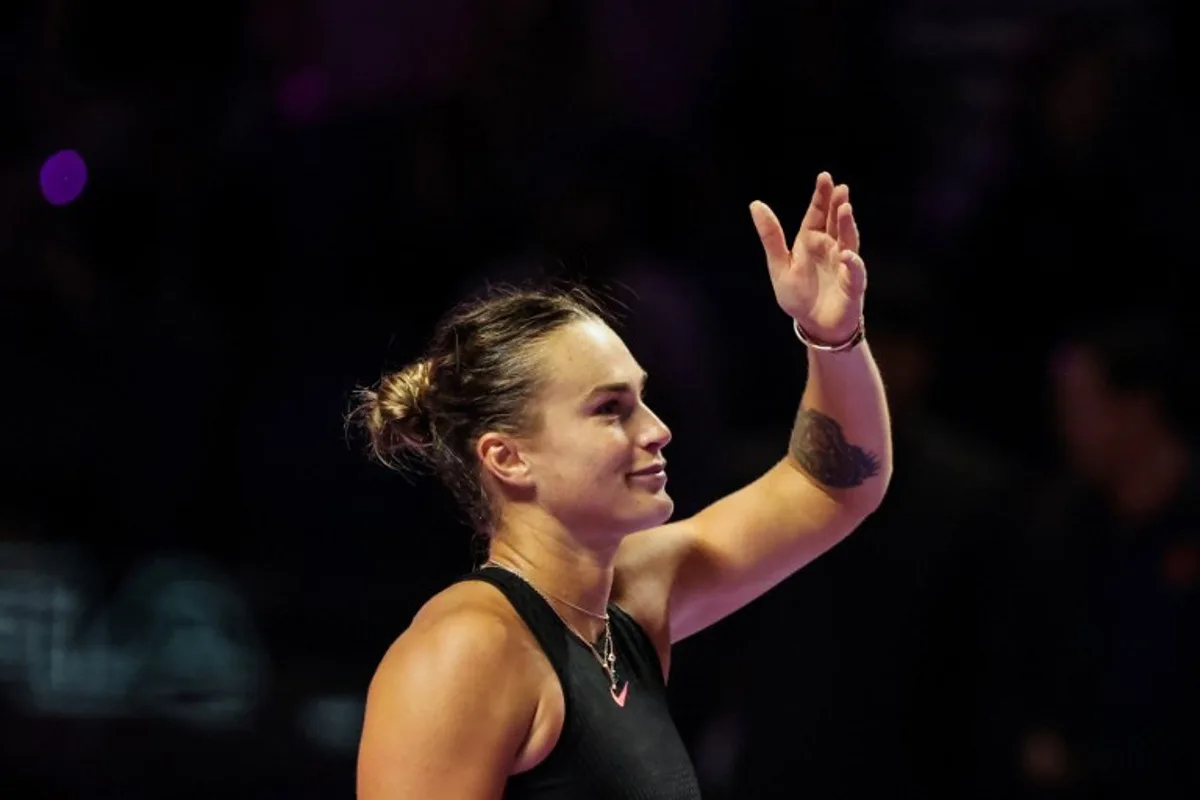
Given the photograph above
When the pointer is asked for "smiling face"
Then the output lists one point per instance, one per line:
(594, 462)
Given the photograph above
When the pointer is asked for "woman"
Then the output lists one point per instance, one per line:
(543, 674)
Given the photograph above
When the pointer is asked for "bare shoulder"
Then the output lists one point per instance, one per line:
(456, 627)
(461, 630)
(454, 683)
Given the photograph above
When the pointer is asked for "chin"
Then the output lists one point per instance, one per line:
(658, 512)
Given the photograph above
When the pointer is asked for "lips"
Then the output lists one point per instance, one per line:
(654, 469)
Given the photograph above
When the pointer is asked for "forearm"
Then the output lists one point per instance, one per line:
(842, 435)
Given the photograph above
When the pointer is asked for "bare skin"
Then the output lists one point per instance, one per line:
(467, 677)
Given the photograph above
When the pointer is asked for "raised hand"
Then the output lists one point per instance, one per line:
(820, 280)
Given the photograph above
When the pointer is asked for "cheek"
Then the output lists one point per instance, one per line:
(610, 453)
(591, 455)
(605, 452)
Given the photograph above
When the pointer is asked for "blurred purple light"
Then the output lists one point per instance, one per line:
(304, 95)
(63, 177)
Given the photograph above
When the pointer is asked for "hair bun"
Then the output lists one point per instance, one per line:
(396, 412)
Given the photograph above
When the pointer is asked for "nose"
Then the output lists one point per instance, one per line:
(655, 435)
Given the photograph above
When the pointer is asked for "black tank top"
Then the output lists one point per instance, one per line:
(605, 751)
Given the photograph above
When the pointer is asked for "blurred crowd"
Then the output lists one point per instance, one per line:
(199, 568)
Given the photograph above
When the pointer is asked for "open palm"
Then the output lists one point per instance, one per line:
(820, 280)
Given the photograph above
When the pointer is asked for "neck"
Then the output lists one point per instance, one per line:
(1150, 479)
(560, 567)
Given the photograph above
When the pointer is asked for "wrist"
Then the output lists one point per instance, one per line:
(833, 345)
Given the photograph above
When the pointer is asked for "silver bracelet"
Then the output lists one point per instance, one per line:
(860, 333)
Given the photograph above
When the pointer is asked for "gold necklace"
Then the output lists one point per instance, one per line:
(608, 660)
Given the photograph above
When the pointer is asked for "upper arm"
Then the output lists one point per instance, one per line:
(702, 569)
(441, 720)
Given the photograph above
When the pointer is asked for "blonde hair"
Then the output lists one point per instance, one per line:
(395, 411)
(480, 373)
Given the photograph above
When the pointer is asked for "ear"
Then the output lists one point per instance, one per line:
(501, 456)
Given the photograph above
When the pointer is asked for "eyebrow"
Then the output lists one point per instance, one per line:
(616, 388)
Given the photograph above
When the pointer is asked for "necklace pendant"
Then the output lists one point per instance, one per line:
(619, 698)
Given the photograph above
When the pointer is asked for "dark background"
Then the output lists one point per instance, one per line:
(199, 570)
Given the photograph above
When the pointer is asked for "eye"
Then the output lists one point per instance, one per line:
(610, 408)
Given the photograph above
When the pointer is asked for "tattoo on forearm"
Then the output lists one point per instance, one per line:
(821, 449)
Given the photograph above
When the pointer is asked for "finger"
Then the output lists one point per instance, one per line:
(855, 271)
(847, 229)
(770, 232)
(817, 244)
(818, 208)
(838, 198)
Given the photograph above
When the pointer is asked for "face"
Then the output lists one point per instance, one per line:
(597, 458)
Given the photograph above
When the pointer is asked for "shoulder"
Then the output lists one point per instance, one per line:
(457, 681)
(434, 673)
(466, 627)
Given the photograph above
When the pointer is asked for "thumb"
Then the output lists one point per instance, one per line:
(770, 232)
